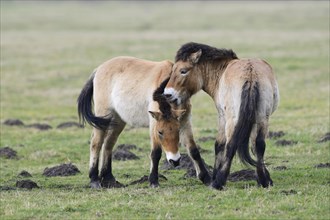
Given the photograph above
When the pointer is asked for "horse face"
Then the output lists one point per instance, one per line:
(185, 79)
(167, 132)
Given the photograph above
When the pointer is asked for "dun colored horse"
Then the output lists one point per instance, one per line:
(124, 90)
(245, 93)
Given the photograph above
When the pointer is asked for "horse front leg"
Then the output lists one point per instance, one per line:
(189, 142)
(155, 155)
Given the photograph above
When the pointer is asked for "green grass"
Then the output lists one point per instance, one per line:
(49, 49)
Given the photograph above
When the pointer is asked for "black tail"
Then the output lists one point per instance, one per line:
(85, 104)
(247, 118)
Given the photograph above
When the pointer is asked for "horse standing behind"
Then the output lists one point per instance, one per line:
(123, 92)
(245, 93)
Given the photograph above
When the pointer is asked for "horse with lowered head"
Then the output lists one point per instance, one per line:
(124, 90)
(245, 93)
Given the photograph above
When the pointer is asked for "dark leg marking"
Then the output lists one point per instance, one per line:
(218, 150)
(204, 175)
(108, 180)
(94, 176)
(263, 175)
(223, 169)
(156, 154)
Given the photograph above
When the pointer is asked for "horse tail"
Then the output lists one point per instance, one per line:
(85, 103)
(247, 118)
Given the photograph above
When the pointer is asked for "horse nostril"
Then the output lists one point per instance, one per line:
(174, 163)
(168, 96)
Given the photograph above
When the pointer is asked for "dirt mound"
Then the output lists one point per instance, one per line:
(127, 147)
(8, 153)
(204, 139)
(69, 124)
(26, 184)
(13, 122)
(24, 173)
(120, 154)
(242, 175)
(322, 165)
(7, 188)
(145, 179)
(61, 170)
(280, 168)
(289, 192)
(185, 163)
(285, 142)
(42, 127)
(325, 138)
(275, 134)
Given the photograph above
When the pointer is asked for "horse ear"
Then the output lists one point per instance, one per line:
(156, 115)
(194, 57)
(178, 113)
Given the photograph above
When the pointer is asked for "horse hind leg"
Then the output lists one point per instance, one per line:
(95, 148)
(111, 136)
(263, 176)
(224, 158)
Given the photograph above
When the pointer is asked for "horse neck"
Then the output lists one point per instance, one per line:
(212, 72)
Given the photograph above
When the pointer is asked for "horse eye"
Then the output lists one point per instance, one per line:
(183, 71)
(160, 133)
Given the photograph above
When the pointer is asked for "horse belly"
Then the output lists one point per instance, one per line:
(132, 107)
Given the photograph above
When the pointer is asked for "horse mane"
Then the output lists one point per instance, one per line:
(208, 53)
(158, 96)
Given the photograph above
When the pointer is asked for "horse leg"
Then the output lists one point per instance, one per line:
(189, 142)
(155, 155)
(260, 145)
(95, 147)
(107, 179)
(219, 145)
(224, 158)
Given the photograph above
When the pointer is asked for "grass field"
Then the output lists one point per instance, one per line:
(49, 49)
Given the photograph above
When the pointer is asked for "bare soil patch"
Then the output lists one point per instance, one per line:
(285, 142)
(325, 138)
(61, 170)
(8, 153)
(13, 122)
(275, 134)
(26, 184)
(39, 126)
(69, 124)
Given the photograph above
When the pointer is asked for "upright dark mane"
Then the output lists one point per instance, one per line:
(208, 53)
(158, 96)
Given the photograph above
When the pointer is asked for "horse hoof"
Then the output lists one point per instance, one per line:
(216, 186)
(154, 185)
(206, 179)
(95, 185)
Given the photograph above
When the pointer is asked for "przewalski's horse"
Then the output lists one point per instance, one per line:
(245, 93)
(122, 91)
